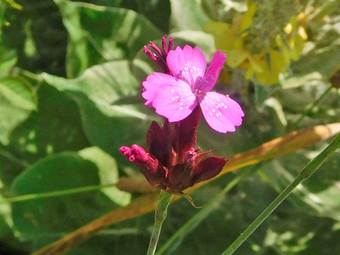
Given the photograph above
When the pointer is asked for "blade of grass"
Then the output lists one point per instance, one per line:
(146, 203)
(306, 172)
(176, 239)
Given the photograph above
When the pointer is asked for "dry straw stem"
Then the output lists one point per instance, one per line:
(146, 203)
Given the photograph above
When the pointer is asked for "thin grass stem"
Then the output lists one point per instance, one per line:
(306, 172)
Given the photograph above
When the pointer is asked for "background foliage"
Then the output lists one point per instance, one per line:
(69, 97)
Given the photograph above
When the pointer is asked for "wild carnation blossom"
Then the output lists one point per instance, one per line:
(173, 161)
(189, 84)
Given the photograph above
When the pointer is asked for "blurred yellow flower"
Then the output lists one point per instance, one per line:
(266, 63)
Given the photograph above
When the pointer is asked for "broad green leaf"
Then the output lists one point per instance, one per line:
(108, 173)
(157, 11)
(187, 15)
(107, 95)
(18, 92)
(54, 127)
(8, 59)
(99, 33)
(17, 101)
(64, 171)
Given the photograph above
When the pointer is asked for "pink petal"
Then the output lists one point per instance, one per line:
(175, 101)
(187, 63)
(221, 112)
(153, 84)
(213, 71)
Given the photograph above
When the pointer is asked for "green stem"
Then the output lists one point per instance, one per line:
(57, 193)
(9, 156)
(309, 108)
(160, 215)
(29, 74)
(307, 172)
(176, 239)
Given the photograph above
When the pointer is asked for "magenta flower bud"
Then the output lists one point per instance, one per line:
(150, 166)
(150, 54)
(159, 54)
(156, 49)
(165, 44)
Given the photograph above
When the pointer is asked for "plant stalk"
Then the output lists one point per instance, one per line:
(160, 215)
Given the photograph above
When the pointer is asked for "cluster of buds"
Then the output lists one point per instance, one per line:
(158, 54)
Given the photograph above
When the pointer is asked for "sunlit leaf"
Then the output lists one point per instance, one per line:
(110, 108)
(99, 33)
(17, 101)
(61, 172)
(187, 15)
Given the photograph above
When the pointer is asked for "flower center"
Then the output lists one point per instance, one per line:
(190, 73)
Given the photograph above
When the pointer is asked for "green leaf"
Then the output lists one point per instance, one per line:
(106, 95)
(17, 101)
(35, 218)
(18, 93)
(55, 126)
(108, 173)
(187, 15)
(8, 59)
(157, 11)
(100, 33)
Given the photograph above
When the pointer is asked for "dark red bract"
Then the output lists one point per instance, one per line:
(173, 160)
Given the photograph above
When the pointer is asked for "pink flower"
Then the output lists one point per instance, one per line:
(188, 85)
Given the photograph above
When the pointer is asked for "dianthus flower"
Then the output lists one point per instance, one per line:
(188, 85)
(173, 161)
